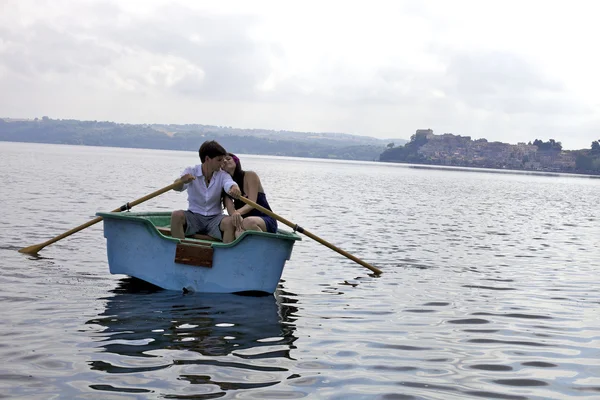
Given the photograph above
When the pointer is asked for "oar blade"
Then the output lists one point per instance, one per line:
(32, 249)
(270, 213)
(36, 248)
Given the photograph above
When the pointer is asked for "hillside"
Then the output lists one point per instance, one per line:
(190, 136)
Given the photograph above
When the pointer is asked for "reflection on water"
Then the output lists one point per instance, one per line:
(220, 341)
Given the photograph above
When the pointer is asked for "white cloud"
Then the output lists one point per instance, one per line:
(504, 70)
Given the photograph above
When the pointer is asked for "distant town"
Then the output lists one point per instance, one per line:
(448, 149)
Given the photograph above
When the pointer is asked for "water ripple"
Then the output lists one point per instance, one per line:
(490, 287)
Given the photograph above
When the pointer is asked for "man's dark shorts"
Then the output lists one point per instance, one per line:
(205, 225)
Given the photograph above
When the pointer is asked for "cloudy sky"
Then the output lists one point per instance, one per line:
(510, 70)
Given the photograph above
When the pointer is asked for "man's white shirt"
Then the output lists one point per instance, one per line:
(202, 199)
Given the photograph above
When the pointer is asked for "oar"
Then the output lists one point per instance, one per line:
(36, 248)
(310, 235)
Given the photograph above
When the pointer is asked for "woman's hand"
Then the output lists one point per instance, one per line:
(238, 220)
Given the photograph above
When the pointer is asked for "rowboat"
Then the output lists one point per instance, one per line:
(140, 245)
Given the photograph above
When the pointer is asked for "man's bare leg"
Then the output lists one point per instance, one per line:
(228, 230)
(177, 224)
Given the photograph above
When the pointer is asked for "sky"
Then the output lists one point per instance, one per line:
(509, 71)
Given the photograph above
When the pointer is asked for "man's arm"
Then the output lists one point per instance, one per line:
(185, 179)
(229, 186)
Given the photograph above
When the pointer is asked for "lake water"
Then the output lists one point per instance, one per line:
(490, 287)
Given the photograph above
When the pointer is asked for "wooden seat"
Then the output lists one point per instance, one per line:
(167, 232)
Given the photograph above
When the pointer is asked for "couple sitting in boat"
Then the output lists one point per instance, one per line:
(208, 185)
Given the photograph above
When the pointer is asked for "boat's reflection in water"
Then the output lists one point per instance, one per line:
(226, 341)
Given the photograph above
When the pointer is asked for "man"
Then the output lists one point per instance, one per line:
(204, 183)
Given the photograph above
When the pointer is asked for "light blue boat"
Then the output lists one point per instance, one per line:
(140, 245)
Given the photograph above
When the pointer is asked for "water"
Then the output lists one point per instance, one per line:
(490, 286)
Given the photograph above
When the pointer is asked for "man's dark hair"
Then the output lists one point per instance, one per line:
(211, 149)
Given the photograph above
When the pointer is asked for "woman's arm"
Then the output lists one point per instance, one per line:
(235, 215)
(252, 184)
(229, 205)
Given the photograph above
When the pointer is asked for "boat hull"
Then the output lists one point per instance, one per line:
(254, 262)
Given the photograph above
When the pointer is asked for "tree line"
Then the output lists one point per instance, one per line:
(184, 137)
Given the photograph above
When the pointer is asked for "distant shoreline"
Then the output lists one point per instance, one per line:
(184, 137)
(449, 150)
(394, 163)
(491, 170)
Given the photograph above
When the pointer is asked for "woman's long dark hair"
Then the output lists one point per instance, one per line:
(238, 173)
(238, 177)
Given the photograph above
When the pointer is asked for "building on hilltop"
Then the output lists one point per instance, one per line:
(425, 132)
(449, 149)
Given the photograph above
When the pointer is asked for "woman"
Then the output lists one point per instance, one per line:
(245, 217)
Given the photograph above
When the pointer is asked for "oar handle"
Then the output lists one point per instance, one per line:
(149, 196)
(310, 235)
(36, 248)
